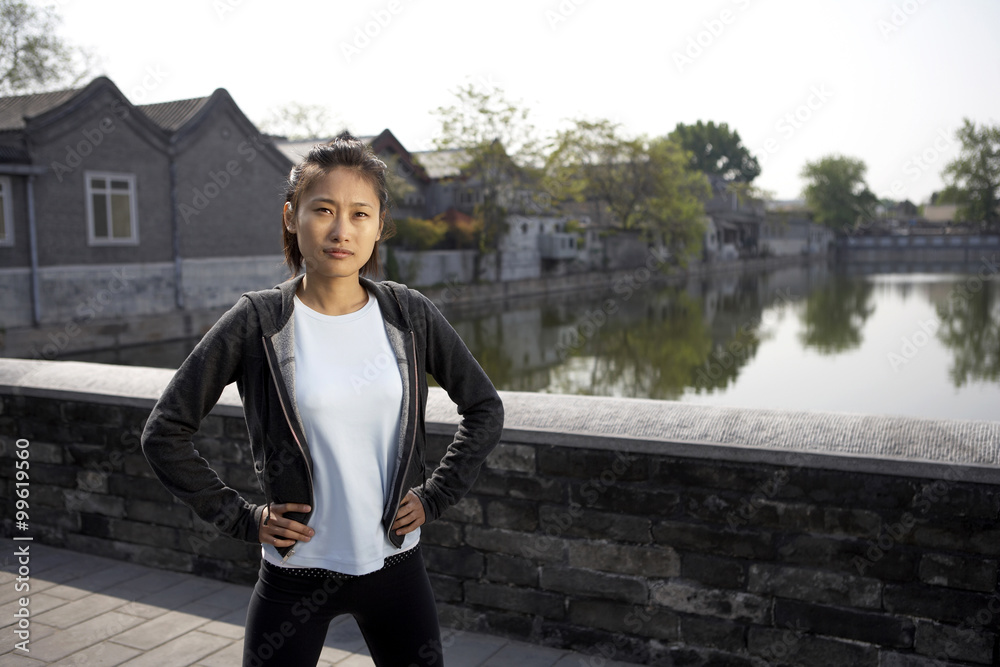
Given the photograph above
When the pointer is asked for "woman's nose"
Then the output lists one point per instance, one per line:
(338, 227)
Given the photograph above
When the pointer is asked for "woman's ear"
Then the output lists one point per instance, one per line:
(289, 217)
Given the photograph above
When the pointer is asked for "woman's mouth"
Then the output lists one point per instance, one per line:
(337, 253)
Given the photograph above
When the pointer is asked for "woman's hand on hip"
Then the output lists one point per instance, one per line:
(410, 515)
(281, 532)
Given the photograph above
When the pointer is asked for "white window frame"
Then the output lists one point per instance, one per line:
(92, 239)
(7, 204)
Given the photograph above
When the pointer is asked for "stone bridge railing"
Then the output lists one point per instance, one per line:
(954, 251)
(645, 531)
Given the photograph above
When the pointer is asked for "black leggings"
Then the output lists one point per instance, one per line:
(289, 615)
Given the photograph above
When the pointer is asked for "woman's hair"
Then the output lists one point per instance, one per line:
(351, 153)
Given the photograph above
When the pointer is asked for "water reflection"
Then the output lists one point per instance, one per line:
(969, 325)
(835, 315)
(797, 338)
(657, 342)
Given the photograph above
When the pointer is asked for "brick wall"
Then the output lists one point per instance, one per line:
(625, 547)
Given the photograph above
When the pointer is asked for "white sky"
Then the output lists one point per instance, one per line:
(888, 80)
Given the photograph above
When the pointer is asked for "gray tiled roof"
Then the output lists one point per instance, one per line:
(171, 116)
(442, 164)
(296, 150)
(13, 110)
(13, 154)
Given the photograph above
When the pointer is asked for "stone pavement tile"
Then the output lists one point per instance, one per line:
(35, 585)
(230, 625)
(66, 642)
(230, 596)
(152, 581)
(524, 655)
(184, 650)
(21, 660)
(43, 558)
(77, 611)
(161, 629)
(465, 649)
(66, 570)
(345, 635)
(112, 576)
(333, 656)
(105, 654)
(37, 604)
(356, 660)
(37, 631)
(10, 654)
(209, 612)
(188, 589)
(228, 656)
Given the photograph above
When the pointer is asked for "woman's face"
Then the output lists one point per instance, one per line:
(336, 224)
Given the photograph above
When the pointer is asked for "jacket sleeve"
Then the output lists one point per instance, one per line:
(195, 388)
(452, 365)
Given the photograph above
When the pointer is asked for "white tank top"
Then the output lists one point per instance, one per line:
(349, 394)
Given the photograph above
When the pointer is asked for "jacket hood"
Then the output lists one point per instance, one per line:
(274, 313)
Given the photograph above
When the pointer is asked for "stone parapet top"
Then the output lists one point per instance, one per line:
(947, 449)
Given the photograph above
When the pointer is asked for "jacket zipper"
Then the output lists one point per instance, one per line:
(413, 442)
(272, 363)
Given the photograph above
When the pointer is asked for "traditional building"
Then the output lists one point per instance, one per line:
(111, 209)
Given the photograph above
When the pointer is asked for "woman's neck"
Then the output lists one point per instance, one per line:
(332, 296)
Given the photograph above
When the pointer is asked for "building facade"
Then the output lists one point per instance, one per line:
(112, 209)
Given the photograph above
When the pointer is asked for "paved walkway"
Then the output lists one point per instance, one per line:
(87, 610)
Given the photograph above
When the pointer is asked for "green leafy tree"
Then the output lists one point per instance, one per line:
(715, 149)
(649, 348)
(837, 194)
(296, 121)
(418, 233)
(970, 328)
(32, 57)
(645, 184)
(835, 315)
(973, 178)
(496, 147)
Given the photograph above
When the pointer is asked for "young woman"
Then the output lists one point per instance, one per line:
(330, 368)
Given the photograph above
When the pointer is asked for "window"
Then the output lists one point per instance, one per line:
(6, 216)
(111, 208)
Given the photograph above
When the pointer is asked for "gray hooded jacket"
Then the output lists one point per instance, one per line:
(253, 345)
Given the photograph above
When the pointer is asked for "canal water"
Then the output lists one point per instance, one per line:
(810, 338)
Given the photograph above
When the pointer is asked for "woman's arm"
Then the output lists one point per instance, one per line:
(451, 363)
(195, 388)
